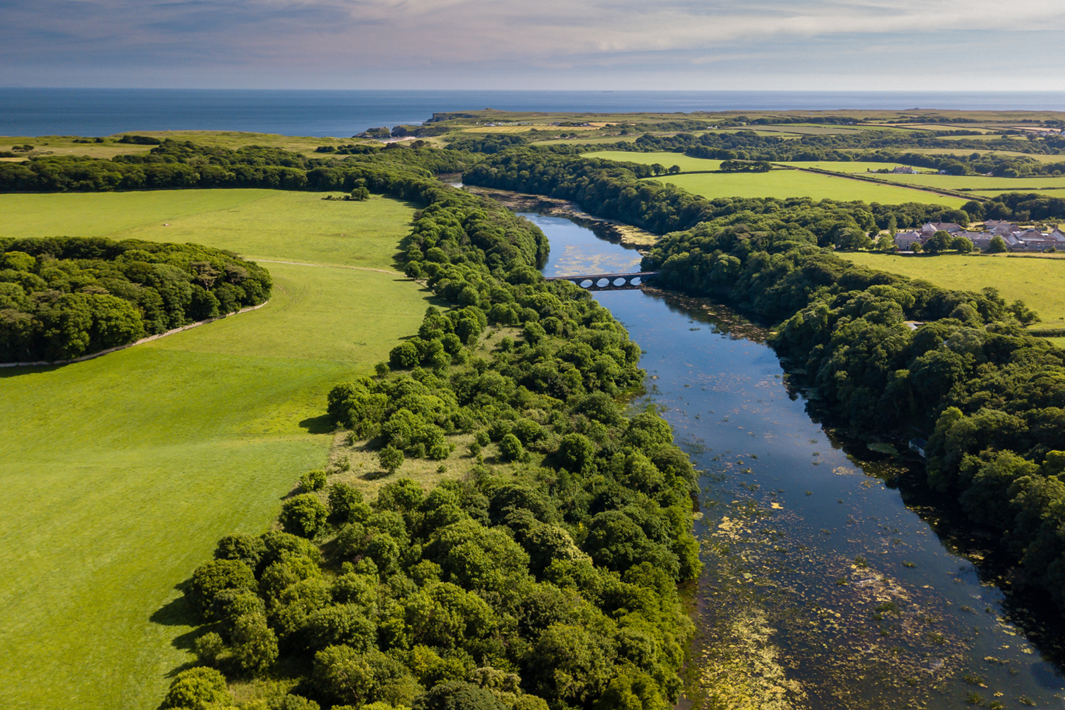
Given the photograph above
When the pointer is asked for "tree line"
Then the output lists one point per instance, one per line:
(64, 297)
(615, 190)
(865, 146)
(186, 165)
(992, 398)
(546, 578)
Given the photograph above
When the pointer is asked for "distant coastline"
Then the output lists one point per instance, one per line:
(99, 112)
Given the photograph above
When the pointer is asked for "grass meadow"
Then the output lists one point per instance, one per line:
(122, 472)
(776, 183)
(66, 145)
(842, 167)
(1040, 283)
(979, 182)
(797, 183)
(686, 163)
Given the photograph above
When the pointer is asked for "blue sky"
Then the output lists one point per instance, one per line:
(546, 44)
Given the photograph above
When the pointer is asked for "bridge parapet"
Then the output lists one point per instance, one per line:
(607, 282)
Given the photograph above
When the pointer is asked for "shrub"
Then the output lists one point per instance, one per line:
(209, 647)
(254, 644)
(346, 504)
(303, 515)
(390, 458)
(197, 689)
(510, 448)
(313, 481)
(214, 577)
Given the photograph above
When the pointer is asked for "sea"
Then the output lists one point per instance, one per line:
(101, 112)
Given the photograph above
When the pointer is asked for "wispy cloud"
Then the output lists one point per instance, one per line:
(364, 39)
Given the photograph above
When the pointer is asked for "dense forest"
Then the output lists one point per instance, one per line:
(890, 354)
(613, 190)
(182, 165)
(64, 297)
(866, 145)
(547, 578)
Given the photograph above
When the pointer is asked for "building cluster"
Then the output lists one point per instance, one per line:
(1017, 238)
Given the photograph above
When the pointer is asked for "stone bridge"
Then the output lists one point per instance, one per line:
(607, 282)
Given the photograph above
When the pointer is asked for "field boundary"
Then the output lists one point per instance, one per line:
(150, 338)
(942, 192)
(331, 266)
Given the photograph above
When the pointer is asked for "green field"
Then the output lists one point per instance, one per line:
(797, 183)
(978, 182)
(66, 145)
(1040, 283)
(843, 167)
(122, 472)
(686, 163)
(777, 183)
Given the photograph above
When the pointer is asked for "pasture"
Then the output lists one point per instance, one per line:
(122, 472)
(686, 163)
(985, 184)
(797, 183)
(842, 167)
(68, 145)
(1039, 282)
(776, 183)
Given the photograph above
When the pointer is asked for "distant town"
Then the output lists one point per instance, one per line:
(1017, 238)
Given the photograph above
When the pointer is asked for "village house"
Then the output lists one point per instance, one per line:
(905, 240)
(932, 227)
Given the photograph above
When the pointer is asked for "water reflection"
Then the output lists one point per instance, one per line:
(824, 587)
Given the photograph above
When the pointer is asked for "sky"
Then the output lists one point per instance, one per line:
(902, 45)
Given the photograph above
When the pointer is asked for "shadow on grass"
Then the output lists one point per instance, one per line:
(177, 612)
(322, 424)
(6, 372)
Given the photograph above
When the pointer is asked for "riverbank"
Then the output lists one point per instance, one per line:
(610, 230)
(830, 580)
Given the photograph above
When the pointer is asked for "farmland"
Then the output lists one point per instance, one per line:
(842, 167)
(797, 183)
(978, 182)
(71, 145)
(123, 471)
(777, 183)
(1039, 282)
(686, 163)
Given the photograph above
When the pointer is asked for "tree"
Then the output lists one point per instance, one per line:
(961, 244)
(390, 458)
(674, 170)
(303, 515)
(214, 577)
(197, 689)
(254, 644)
(403, 356)
(313, 481)
(940, 242)
(510, 448)
(457, 695)
(997, 245)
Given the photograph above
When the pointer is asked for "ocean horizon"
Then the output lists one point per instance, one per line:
(29, 112)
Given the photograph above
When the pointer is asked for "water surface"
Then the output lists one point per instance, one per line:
(822, 588)
(101, 112)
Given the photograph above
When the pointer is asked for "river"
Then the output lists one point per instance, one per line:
(824, 586)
